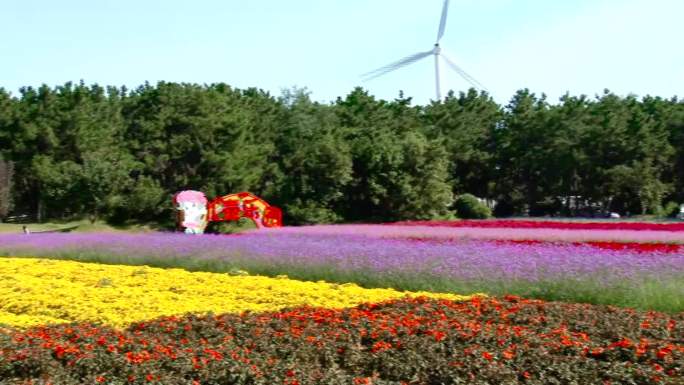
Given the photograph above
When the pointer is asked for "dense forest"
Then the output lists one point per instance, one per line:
(113, 153)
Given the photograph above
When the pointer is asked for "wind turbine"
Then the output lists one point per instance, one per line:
(436, 51)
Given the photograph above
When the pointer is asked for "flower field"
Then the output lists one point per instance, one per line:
(644, 275)
(38, 291)
(407, 341)
(347, 304)
(530, 224)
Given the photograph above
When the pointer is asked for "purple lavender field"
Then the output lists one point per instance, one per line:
(375, 256)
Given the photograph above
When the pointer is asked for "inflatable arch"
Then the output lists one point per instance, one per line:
(232, 207)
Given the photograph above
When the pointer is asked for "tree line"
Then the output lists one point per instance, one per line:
(117, 154)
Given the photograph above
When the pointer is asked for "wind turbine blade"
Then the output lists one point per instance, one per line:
(442, 20)
(393, 66)
(463, 74)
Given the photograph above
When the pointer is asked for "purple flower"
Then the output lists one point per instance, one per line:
(383, 250)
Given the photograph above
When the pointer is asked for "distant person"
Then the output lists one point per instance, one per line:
(26, 230)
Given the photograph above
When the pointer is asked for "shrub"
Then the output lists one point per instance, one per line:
(469, 207)
(230, 227)
(670, 210)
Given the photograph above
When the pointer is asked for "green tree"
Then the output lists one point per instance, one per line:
(676, 128)
(524, 144)
(397, 172)
(316, 159)
(568, 124)
(624, 144)
(210, 138)
(466, 124)
(6, 176)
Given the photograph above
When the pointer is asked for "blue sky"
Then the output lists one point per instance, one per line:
(550, 46)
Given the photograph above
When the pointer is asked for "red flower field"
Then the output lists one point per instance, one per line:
(566, 225)
(414, 341)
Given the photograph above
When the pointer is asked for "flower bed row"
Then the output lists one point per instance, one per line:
(39, 291)
(408, 341)
(531, 224)
(349, 252)
(650, 248)
(416, 230)
(619, 246)
(551, 271)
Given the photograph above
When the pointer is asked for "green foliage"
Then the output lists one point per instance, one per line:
(469, 207)
(144, 199)
(309, 212)
(398, 173)
(105, 152)
(466, 125)
(6, 177)
(670, 210)
(59, 183)
(230, 227)
(316, 159)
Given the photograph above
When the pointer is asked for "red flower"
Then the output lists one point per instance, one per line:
(100, 379)
(216, 355)
(487, 356)
(664, 352)
(439, 335)
(380, 346)
(623, 343)
(671, 324)
(59, 351)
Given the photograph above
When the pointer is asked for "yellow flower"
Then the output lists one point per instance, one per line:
(41, 291)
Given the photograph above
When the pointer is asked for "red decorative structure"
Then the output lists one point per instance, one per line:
(232, 207)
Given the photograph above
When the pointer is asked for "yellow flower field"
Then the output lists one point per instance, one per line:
(38, 291)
